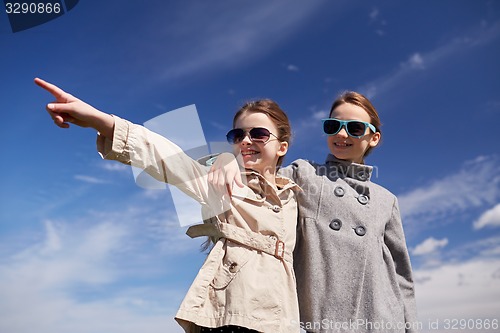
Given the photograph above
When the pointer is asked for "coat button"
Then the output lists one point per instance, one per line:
(232, 267)
(339, 191)
(336, 224)
(276, 208)
(360, 230)
(363, 199)
(362, 176)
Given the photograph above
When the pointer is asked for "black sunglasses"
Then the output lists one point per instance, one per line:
(256, 134)
(354, 128)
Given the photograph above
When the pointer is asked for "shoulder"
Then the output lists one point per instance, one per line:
(300, 168)
(303, 165)
(383, 193)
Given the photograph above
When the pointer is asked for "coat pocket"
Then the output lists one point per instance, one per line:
(235, 257)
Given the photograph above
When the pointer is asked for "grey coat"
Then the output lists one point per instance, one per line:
(351, 261)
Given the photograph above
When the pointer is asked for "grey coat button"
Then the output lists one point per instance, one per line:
(363, 199)
(362, 176)
(336, 224)
(360, 230)
(339, 191)
(276, 208)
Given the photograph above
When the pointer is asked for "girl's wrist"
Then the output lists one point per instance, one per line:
(104, 123)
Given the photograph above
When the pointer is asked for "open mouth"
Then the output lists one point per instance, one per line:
(249, 152)
(342, 144)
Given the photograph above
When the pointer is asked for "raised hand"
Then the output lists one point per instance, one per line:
(68, 109)
(225, 172)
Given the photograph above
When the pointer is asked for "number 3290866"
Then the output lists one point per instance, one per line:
(32, 8)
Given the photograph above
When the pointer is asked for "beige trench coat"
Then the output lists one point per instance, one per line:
(247, 279)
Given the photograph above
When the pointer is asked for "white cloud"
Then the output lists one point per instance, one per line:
(309, 124)
(474, 37)
(52, 263)
(375, 19)
(53, 241)
(461, 283)
(292, 68)
(483, 248)
(374, 14)
(490, 218)
(416, 61)
(476, 184)
(232, 38)
(468, 289)
(85, 277)
(90, 179)
(430, 245)
(318, 115)
(106, 271)
(113, 166)
(491, 252)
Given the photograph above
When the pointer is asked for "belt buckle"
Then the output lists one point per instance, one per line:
(279, 251)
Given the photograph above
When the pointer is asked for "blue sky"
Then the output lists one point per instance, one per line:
(84, 249)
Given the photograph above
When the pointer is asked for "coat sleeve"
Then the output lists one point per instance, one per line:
(287, 171)
(396, 242)
(135, 145)
(292, 171)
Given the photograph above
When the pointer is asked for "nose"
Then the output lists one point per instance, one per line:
(246, 139)
(343, 132)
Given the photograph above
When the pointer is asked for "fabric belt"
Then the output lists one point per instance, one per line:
(268, 244)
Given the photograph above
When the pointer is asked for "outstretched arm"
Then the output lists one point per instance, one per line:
(69, 109)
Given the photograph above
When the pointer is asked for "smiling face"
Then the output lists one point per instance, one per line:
(345, 147)
(261, 157)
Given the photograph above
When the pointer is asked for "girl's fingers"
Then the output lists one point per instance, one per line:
(215, 178)
(59, 121)
(238, 180)
(57, 92)
(220, 179)
(53, 89)
(233, 176)
(55, 107)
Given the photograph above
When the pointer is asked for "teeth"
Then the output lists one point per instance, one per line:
(249, 152)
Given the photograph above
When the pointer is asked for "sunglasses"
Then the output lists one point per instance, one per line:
(256, 134)
(354, 128)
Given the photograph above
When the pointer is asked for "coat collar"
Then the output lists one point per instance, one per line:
(256, 180)
(259, 189)
(349, 169)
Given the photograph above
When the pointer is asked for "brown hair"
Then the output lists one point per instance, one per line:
(273, 111)
(355, 98)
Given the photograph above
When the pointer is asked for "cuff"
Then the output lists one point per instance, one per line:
(114, 149)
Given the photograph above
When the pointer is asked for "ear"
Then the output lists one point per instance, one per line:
(283, 148)
(375, 139)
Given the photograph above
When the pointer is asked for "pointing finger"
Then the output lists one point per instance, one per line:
(57, 92)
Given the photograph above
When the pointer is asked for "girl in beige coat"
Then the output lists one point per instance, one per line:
(247, 283)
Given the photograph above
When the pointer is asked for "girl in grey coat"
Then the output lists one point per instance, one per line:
(351, 261)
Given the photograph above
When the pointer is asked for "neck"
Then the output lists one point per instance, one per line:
(268, 174)
(270, 177)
